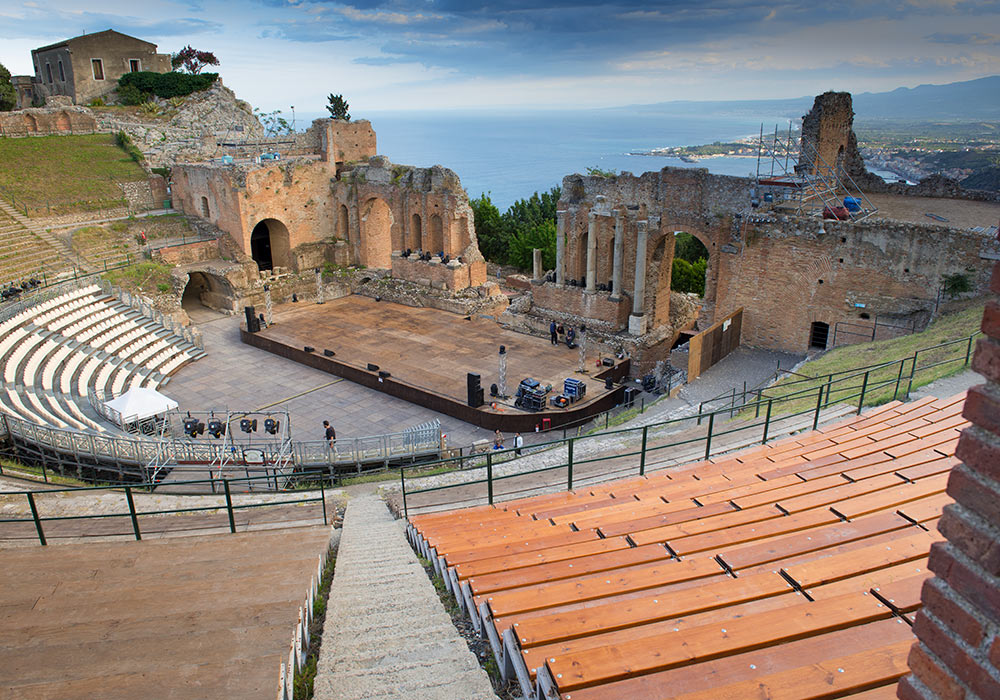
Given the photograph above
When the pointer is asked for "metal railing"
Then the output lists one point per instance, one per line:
(855, 388)
(903, 370)
(134, 514)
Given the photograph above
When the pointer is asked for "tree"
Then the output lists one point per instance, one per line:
(192, 60)
(274, 124)
(8, 98)
(338, 107)
(688, 277)
(521, 250)
(957, 284)
(689, 248)
(489, 228)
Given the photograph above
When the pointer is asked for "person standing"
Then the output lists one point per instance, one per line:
(518, 443)
(553, 335)
(331, 434)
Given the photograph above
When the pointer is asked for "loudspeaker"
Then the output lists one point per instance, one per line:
(372, 368)
(383, 374)
(253, 323)
(609, 383)
(329, 353)
(309, 348)
(475, 391)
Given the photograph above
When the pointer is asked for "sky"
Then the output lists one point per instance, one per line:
(517, 54)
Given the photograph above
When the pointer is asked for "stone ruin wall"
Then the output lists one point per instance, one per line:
(42, 121)
(794, 271)
(345, 206)
(785, 271)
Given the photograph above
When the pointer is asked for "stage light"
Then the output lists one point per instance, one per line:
(271, 426)
(216, 428)
(248, 426)
(191, 426)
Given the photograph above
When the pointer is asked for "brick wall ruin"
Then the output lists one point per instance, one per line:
(42, 121)
(343, 205)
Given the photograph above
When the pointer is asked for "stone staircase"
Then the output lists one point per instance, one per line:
(386, 632)
(27, 250)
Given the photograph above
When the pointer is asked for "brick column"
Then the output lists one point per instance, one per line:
(957, 653)
(561, 246)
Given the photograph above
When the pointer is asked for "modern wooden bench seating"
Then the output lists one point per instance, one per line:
(790, 570)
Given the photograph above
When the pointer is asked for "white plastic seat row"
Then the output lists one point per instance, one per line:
(87, 371)
(118, 330)
(18, 408)
(11, 339)
(69, 369)
(57, 407)
(50, 366)
(150, 351)
(123, 340)
(35, 359)
(84, 327)
(42, 411)
(80, 416)
(28, 342)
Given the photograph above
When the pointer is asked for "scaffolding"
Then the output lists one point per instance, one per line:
(791, 172)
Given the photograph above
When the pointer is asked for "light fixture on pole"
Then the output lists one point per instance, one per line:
(502, 382)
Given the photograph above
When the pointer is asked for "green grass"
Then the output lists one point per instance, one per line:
(62, 174)
(145, 277)
(842, 362)
(25, 471)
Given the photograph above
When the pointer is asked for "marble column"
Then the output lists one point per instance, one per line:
(536, 264)
(616, 269)
(561, 246)
(592, 252)
(637, 321)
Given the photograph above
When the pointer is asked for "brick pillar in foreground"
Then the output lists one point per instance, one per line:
(957, 653)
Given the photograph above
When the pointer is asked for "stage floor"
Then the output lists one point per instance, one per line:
(428, 348)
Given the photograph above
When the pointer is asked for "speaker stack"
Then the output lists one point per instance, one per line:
(475, 390)
(253, 323)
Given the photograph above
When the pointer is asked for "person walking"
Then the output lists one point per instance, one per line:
(331, 434)
(518, 443)
(553, 335)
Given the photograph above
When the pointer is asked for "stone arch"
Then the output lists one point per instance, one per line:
(659, 276)
(435, 235)
(376, 234)
(819, 335)
(207, 289)
(343, 220)
(269, 244)
(580, 269)
(62, 122)
(30, 123)
(414, 240)
(712, 269)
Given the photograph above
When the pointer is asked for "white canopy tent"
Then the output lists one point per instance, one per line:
(139, 403)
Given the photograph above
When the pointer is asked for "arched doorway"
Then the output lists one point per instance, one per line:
(435, 239)
(415, 240)
(819, 335)
(204, 289)
(269, 244)
(376, 234)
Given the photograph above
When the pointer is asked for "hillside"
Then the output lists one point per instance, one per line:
(52, 175)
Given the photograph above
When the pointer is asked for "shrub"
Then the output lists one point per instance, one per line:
(124, 142)
(130, 95)
(688, 277)
(167, 85)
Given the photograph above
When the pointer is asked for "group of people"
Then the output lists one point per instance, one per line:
(556, 330)
(498, 442)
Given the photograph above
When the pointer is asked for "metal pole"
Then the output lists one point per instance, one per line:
(708, 439)
(402, 487)
(34, 515)
(322, 495)
(642, 455)
(489, 477)
(569, 466)
(229, 506)
(819, 406)
(913, 371)
(968, 351)
(899, 378)
(767, 421)
(131, 512)
(864, 387)
(829, 384)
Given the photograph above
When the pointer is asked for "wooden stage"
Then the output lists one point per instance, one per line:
(428, 354)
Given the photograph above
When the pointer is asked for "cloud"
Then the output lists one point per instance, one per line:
(964, 39)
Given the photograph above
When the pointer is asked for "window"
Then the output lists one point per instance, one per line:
(48, 71)
(134, 65)
(204, 207)
(98, 65)
(62, 73)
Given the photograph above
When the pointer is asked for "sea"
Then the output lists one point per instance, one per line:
(510, 155)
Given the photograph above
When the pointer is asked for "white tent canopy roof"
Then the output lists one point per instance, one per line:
(141, 402)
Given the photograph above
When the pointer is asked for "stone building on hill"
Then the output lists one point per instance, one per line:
(87, 67)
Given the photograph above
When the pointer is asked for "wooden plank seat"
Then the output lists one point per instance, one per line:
(544, 556)
(559, 570)
(716, 674)
(468, 554)
(590, 667)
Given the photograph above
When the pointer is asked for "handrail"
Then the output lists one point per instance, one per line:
(134, 514)
(826, 395)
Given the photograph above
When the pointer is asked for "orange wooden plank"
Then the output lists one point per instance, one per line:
(691, 515)
(824, 679)
(759, 663)
(665, 651)
(540, 556)
(593, 587)
(832, 568)
(719, 522)
(559, 570)
(857, 506)
(751, 532)
(456, 556)
(869, 580)
(562, 626)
